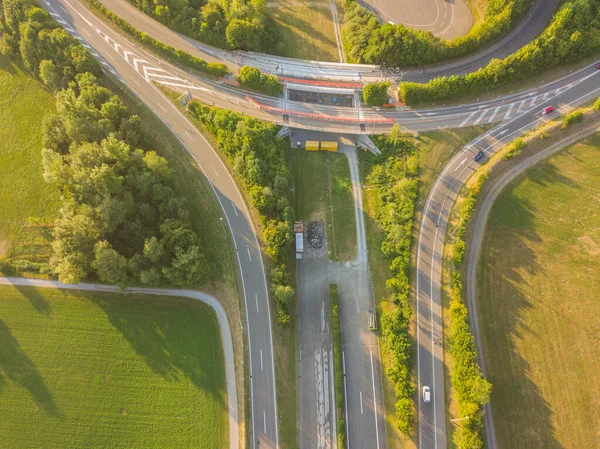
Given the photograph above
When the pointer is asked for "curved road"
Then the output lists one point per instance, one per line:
(474, 249)
(430, 365)
(94, 34)
(199, 296)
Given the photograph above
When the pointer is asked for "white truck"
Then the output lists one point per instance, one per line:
(299, 233)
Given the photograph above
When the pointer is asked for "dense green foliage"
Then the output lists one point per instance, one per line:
(46, 49)
(369, 41)
(515, 148)
(340, 399)
(166, 51)
(121, 219)
(574, 32)
(571, 118)
(252, 150)
(236, 25)
(394, 173)
(472, 390)
(596, 105)
(253, 78)
(99, 370)
(375, 94)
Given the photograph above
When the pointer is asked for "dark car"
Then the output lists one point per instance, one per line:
(478, 155)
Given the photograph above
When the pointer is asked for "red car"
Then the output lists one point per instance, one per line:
(548, 110)
(598, 66)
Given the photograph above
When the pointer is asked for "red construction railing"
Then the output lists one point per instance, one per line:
(321, 83)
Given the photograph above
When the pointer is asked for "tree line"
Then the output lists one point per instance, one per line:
(121, 220)
(256, 157)
(368, 41)
(574, 32)
(394, 174)
(472, 390)
(234, 25)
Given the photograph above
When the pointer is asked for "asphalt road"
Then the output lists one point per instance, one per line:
(430, 367)
(442, 18)
(193, 294)
(479, 224)
(236, 216)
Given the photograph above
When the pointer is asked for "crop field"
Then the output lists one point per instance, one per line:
(307, 28)
(99, 370)
(23, 104)
(538, 296)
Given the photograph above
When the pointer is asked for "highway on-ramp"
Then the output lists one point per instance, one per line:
(237, 218)
(430, 364)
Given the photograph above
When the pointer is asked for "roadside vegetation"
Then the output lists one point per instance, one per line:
(367, 40)
(166, 51)
(252, 78)
(337, 366)
(470, 389)
(573, 33)
(103, 370)
(375, 94)
(237, 25)
(537, 294)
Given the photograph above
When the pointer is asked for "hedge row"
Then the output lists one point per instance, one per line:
(252, 78)
(340, 400)
(168, 52)
(574, 32)
(393, 175)
(255, 155)
(367, 40)
(472, 390)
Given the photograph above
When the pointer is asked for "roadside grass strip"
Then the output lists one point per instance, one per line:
(340, 399)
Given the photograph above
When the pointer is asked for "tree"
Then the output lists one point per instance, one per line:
(110, 266)
(50, 74)
(241, 35)
(189, 268)
(375, 94)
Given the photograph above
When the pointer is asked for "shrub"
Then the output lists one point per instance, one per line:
(596, 105)
(571, 118)
(375, 94)
(573, 32)
(515, 149)
(337, 365)
(253, 78)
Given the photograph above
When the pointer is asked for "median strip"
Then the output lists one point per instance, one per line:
(340, 400)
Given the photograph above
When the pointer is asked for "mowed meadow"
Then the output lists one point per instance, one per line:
(539, 303)
(100, 370)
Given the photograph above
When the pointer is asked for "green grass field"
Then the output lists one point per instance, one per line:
(23, 104)
(324, 192)
(307, 29)
(538, 293)
(99, 370)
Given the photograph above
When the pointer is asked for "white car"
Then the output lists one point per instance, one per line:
(426, 394)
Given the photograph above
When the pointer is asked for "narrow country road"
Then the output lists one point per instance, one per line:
(474, 249)
(226, 339)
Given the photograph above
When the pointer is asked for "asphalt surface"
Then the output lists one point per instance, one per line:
(442, 18)
(236, 216)
(430, 365)
(479, 225)
(214, 303)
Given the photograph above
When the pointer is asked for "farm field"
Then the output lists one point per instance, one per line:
(23, 104)
(99, 370)
(538, 290)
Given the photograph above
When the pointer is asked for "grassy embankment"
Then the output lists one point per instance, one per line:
(323, 191)
(434, 149)
(340, 399)
(538, 287)
(104, 370)
(306, 28)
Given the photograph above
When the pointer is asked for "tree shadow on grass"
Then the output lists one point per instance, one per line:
(37, 300)
(170, 339)
(522, 416)
(16, 367)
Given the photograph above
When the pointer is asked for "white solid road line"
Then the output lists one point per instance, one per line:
(464, 122)
(265, 421)
(345, 401)
(256, 299)
(249, 256)
(374, 401)
(361, 403)
(261, 361)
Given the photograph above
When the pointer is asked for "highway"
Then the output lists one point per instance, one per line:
(430, 365)
(80, 22)
(479, 223)
(214, 303)
(139, 70)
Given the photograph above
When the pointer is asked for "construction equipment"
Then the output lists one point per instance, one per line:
(329, 146)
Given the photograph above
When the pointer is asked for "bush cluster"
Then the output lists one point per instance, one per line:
(166, 51)
(574, 32)
(367, 40)
(472, 390)
(340, 402)
(121, 219)
(251, 148)
(516, 147)
(252, 78)
(375, 94)
(394, 175)
(596, 105)
(571, 118)
(235, 25)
